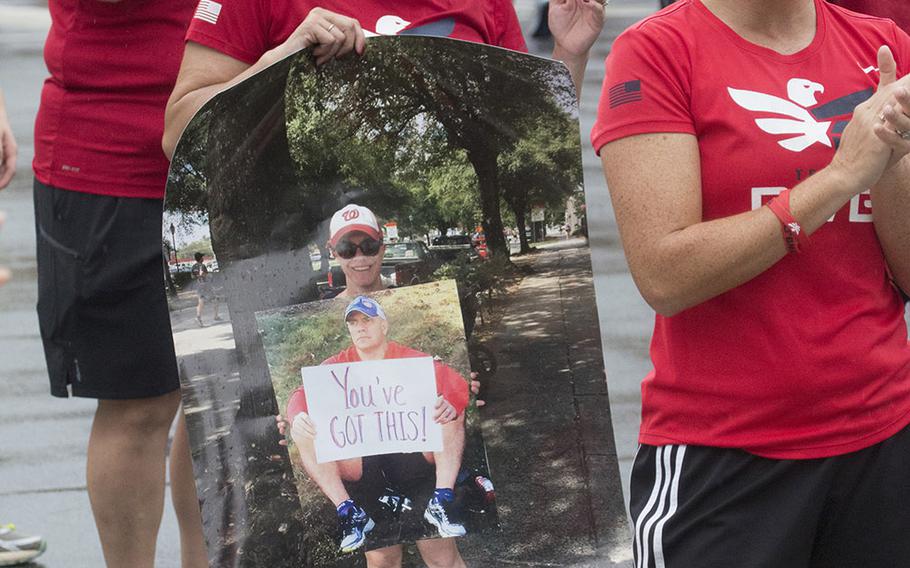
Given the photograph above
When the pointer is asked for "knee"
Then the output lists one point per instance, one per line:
(350, 470)
(440, 553)
(389, 557)
(140, 415)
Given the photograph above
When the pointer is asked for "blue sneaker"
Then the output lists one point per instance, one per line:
(444, 516)
(355, 526)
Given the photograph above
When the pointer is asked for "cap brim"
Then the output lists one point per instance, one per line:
(365, 229)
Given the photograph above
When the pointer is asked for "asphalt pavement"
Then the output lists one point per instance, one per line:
(43, 439)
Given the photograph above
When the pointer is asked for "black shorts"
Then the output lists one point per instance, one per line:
(102, 307)
(704, 507)
(403, 476)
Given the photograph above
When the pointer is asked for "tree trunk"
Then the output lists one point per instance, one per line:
(484, 162)
(171, 287)
(522, 235)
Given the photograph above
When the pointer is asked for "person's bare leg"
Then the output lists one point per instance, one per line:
(193, 553)
(440, 553)
(329, 476)
(448, 461)
(388, 557)
(199, 305)
(125, 475)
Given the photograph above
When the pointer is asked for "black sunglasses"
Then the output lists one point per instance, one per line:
(369, 247)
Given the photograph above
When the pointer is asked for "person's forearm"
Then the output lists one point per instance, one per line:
(705, 259)
(891, 215)
(576, 65)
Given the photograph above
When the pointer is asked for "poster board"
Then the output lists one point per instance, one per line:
(260, 172)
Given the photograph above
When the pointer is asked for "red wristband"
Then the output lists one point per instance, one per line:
(792, 231)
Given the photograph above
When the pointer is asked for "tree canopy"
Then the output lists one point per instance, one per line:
(432, 133)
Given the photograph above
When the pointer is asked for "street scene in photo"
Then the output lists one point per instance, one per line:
(398, 169)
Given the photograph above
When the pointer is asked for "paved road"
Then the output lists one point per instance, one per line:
(42, 452)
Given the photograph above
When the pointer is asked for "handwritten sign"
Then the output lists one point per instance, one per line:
(373, 407)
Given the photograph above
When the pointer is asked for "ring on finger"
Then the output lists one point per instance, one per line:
(881, 116)
(332, 27)
(905, 134)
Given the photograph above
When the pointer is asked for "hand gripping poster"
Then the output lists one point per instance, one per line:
(382, 303)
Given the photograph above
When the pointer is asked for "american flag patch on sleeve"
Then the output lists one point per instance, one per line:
(623, 93)
(208, 11)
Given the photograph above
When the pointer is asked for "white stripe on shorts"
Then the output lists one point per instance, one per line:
(661, 506)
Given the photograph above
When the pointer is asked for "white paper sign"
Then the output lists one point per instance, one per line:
(368, 408)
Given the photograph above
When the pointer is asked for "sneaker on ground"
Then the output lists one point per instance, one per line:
(354, 529)
(17, 548)
(443, 516)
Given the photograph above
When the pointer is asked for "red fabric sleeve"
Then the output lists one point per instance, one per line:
(901, 50)
(452, 386)
(241, 29)
(296, 404)
(506, 29)
(646, 87)
(897, 10)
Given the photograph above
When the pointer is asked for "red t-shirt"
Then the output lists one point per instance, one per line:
(449, 383)
(112, 68)
(897, 10)
(810, 358)
(247, 29)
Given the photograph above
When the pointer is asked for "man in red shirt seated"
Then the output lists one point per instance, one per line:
(369, 329)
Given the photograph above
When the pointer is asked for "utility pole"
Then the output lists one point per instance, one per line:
(174, 239)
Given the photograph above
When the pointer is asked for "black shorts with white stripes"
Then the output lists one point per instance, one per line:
(700, 507)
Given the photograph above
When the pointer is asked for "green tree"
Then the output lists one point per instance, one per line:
(542, 167)
(203, 245)
(408, 93)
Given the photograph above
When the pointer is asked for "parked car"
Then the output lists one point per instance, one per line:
(448, 247)
(409, 263)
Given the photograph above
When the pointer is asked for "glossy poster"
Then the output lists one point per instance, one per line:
(425, 162)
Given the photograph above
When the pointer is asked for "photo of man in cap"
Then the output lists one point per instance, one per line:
(368, 327)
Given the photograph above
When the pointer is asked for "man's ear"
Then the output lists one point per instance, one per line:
(385, 327)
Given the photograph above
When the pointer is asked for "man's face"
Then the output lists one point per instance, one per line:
(366, 333)
(362, 272)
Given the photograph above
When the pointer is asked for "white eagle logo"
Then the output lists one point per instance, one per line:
(802, 94)
(388, 25)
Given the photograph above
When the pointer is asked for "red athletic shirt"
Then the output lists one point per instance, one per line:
(897, 10)
(810, 358)
(245, 29)
(449, 383)
(112, 68)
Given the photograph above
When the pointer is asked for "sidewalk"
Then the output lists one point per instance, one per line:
(548, 417)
